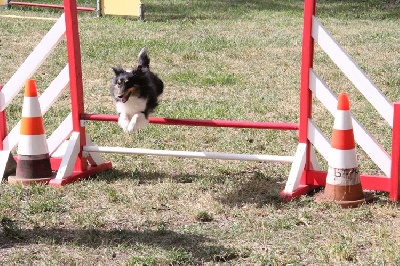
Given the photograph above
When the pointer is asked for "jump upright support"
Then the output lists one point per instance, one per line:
(82, 159)
(312, 137)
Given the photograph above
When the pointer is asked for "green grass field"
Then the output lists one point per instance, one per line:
(226, 59)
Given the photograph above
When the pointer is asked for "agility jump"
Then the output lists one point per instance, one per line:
(104, 7)
(81, 158)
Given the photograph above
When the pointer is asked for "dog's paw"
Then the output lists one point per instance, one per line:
(142, 121)
(125, 128)
(124, 124)
(132, 126)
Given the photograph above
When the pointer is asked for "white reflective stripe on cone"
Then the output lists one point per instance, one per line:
(342, 158)
(32, 145)
(343, 177)
(342, 120)
(31, 107)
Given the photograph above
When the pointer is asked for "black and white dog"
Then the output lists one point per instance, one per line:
(136, 93)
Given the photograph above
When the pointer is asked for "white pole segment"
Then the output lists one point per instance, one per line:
(368, 143)
(189, 154)
(318, 139)
(32, 62)
(313, 159)
(297, 169)
(94, 158)
(352, 71)
(54, 90)
(11, 140)
(70, 156)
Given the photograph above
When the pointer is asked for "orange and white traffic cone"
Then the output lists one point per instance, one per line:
(33, 164)
(343, 184)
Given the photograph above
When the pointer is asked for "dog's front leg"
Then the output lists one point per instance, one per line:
(123, 121)
(132, 123)
(142, 121)
(138, 121)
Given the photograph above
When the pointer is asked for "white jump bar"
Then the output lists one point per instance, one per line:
(190, 154)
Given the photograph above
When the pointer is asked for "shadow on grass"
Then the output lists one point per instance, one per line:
(200, 247)
(235, 9)
(257, 189)
(211, 9)
(371, 9)
(249, 187)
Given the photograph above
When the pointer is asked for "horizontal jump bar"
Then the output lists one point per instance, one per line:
(201, 122)
(49, 6)
(190, 154)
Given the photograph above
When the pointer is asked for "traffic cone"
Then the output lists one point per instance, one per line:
(343, 184)
(33, 164)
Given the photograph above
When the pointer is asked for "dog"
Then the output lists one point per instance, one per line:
(136, 93)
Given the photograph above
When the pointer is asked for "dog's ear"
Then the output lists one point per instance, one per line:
(139, 69)
(117, 70)
(143, 58)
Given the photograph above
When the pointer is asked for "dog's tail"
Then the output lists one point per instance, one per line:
(143, 58)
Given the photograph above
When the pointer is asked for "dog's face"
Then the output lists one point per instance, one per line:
(125, 83)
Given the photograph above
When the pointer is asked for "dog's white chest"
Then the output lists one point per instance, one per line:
(133, 106)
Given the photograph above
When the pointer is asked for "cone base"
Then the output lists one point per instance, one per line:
(366, 197)
(33, 166)
(30, 181)
(344, 193)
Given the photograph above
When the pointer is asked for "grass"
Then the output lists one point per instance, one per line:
(229, 59)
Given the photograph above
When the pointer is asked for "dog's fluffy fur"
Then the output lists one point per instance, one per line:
(136, 93)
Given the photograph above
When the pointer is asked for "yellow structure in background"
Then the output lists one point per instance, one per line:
(121, 7)
(2, 2)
